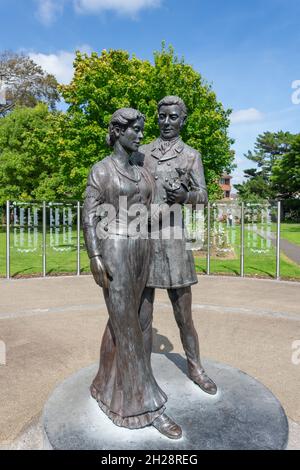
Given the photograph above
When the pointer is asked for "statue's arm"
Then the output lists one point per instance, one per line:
(90, 214)
(197, 187)
(94, 197)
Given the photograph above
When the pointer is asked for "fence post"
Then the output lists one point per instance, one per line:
(44, 238)
(278, 240)
(242, 252)
(208, 240)
(78, 238)
(7, 240)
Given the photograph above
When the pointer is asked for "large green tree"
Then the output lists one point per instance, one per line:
(47, 155)
(24, 164)
(101, 84)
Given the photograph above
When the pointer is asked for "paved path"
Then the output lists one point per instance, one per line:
(52, 327)
(291, 250)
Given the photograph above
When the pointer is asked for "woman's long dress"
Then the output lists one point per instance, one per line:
(124, 386)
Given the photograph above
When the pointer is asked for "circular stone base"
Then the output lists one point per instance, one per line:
(242, 415)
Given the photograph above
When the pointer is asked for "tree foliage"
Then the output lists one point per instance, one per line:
(286, 172)
(275, 159)
(26, 83)
(268, 149)
(104, 83)
(256, 189)
(22, 166)
(47, 155)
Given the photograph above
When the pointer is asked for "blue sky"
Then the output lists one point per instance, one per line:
(249, 50)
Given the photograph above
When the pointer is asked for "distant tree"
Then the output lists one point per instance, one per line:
(104, 83)
(250, 173)
(255, 189)
(269, 150)
(286, 172)
(26, 83)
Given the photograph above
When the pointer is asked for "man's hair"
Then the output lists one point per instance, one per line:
(169, 100)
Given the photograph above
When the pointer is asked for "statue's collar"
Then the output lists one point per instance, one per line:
(137, 175)
(175, 148)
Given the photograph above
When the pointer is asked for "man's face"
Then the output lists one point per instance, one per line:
(170, 121)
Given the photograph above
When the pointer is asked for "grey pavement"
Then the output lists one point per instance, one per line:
(291, 250)
(52, 327)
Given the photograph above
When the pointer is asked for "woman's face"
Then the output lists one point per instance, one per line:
(130, 138)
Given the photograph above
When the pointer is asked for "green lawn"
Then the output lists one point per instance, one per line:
(256, 267)
(291, 233)
(288, 231)
(61, 255)
(259, 257)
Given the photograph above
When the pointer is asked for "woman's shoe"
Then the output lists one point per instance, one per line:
(167, 427)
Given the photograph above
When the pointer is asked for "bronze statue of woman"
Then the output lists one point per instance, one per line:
(124, 386)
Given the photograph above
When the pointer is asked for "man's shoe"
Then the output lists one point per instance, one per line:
(204, 382)
(167, 427)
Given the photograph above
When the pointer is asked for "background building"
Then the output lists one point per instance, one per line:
(225, 184)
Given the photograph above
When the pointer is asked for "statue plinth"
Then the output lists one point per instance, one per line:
(244, 414)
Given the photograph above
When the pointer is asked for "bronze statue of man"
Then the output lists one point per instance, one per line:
(172, 265)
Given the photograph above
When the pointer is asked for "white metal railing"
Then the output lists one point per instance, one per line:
(78, 248)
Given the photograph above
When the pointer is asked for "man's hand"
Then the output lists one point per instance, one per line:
(100, 272)
(177, 196)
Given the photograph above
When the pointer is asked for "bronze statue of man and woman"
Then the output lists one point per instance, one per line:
(130, 268)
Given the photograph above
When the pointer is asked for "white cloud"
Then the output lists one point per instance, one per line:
(48, 10)
(246, 115)
(121, 6)
(60, 64)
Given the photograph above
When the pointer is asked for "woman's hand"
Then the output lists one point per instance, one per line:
(101, 274)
